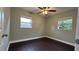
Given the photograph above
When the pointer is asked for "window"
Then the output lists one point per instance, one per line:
(25, 23)
(65, 24)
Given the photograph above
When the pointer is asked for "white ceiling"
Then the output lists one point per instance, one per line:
(58, 9)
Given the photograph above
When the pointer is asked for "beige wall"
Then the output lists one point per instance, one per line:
(16, 33)
(51, 26)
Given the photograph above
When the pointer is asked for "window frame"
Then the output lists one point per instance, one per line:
(63, 19)
(26, 18)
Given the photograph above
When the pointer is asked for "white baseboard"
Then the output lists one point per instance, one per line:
(73, 44)
(42, 37)
(15, 41)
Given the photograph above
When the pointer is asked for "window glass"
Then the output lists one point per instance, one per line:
(65, 24)
(25, 23)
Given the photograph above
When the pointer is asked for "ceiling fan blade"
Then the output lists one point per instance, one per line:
(44, 7)
(51, 10)
(40, 7)
(48, 7)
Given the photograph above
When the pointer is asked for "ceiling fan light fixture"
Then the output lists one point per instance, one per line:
(45, 12)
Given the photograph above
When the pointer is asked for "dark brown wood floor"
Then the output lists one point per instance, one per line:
(42, 44)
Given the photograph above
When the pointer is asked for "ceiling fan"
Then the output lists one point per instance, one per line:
(45, 10)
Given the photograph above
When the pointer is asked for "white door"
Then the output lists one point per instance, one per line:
(77, 33)
(4, 28)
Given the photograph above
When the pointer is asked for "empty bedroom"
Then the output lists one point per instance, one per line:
(42, 28)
